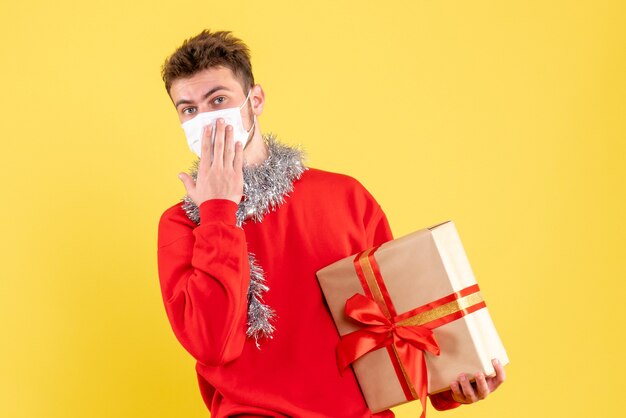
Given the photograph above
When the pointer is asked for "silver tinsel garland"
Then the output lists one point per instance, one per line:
(264, 188)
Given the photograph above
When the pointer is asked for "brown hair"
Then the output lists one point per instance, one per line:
(207, 50)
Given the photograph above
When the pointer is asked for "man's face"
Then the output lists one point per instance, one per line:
(212, 89)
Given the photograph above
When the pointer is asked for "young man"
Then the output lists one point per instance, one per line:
(238, 257)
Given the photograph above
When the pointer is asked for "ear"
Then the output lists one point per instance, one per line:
(257, 99)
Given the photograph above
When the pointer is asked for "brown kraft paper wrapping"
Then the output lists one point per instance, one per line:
(417, 269)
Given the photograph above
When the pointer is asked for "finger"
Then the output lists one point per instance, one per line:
(229, 147)
(457, 395)
(206, 145)
(481, 386)
(500, 374)
(187, 182)
(238, 163)
(466, 387)
(218, 145)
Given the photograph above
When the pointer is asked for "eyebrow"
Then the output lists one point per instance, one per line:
(207, 94)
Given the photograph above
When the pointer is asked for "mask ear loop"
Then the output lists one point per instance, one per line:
(247, 97)
(253, 119)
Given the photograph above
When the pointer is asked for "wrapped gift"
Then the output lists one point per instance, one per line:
(411, 317)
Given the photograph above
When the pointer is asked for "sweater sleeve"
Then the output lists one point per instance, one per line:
(443, 400)
(377, 229)
(204, 276)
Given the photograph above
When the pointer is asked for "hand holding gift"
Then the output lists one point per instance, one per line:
(463, 391)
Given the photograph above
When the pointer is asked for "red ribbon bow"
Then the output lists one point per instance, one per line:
(379, 331)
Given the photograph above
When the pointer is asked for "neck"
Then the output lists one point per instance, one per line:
(255, 151)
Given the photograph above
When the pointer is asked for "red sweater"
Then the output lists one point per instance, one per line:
(204, 275)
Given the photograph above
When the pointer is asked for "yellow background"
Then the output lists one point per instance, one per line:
(506, 117)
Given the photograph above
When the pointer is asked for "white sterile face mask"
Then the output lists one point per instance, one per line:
(194, 128)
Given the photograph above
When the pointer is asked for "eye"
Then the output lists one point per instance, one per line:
(219, 100)
(189, 110)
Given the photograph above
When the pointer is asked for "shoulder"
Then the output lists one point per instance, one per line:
(173, 213)
(173, 224)
(320, 187)
(331, 182)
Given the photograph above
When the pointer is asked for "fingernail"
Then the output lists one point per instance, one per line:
(462, 378)
(496, 361)
(220, 120)
(229, 128)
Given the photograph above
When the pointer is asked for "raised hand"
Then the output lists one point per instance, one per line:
(220, 172)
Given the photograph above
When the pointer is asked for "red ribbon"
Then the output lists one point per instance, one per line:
(410, 341)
